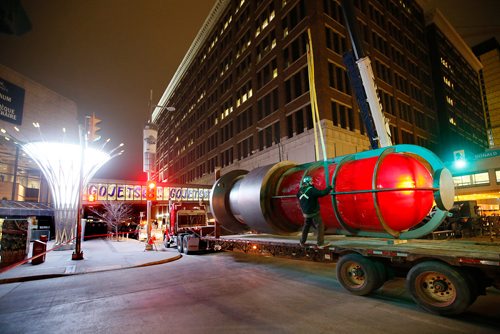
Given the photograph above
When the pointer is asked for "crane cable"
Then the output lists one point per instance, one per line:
(314, 107)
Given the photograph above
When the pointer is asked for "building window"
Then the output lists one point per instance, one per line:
(394, 135)
(296, 49)
(407, 137)
(445, 63)
(226, 157)
(294, 16)
(245, 148)
(264, 19)
(335, 42)
(244, 93)
(268, 104)
(401, 83)
(376, 16)
(243, 44)
(387, 101)
(472, 179)
(405, 112)
(266, 45)
(242, 68)
(226, 109)
(342, 116)
(244, 120)
(296, 121)
(420, 119)
(226, 132)
(267, 73)
(269, 135)
(333, 10)
(450, 101)
(337, 78)
(297, 85)
(447, 82)
(380, 43)
(383, 72)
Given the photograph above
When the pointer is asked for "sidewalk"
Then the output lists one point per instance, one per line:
(98, 255)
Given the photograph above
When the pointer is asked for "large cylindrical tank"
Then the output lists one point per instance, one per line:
(386, 192)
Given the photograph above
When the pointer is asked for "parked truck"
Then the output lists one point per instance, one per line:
(189, 223)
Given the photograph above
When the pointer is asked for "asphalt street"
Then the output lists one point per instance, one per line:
(225, 293)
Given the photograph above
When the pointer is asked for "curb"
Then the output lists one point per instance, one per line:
(48, 276)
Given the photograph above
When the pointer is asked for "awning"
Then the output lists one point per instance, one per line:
(16, 208)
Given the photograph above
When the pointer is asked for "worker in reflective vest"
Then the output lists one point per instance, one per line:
(308, 198)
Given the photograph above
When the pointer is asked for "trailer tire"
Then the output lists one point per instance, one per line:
(185, 248)
(439, 288)
(180, 243)
(475, 283)
(359, 275)
(382, 273)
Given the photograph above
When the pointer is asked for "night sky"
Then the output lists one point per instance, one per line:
(106, 55)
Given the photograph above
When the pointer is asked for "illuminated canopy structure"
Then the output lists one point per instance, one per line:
(60, 163)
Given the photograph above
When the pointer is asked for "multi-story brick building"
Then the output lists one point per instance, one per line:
(242, 93)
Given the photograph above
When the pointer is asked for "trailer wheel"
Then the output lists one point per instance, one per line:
(382, 274)
(180, 243)
(185, 249)
(439, 288)
(359, 275)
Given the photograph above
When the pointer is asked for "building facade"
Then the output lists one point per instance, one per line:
(24, 104)
(488, 53)
(455, 72)
(242, 93)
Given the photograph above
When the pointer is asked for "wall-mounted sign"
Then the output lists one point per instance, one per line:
(124, 192)
(487, 154)
(11, 102)
(149, 147)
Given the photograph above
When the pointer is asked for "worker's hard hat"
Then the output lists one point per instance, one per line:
(307, 180)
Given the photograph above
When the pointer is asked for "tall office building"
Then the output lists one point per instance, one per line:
(242, 96)
(455, 71)
(488, 53)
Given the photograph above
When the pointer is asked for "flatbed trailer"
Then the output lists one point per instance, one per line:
(443, 276)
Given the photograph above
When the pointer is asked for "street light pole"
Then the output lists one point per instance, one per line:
(78, 254)
(149, 156)
(150, 135)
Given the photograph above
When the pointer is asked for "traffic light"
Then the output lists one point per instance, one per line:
(151, 190)
(93, 128)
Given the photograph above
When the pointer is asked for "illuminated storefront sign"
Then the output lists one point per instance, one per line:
(124, 192)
